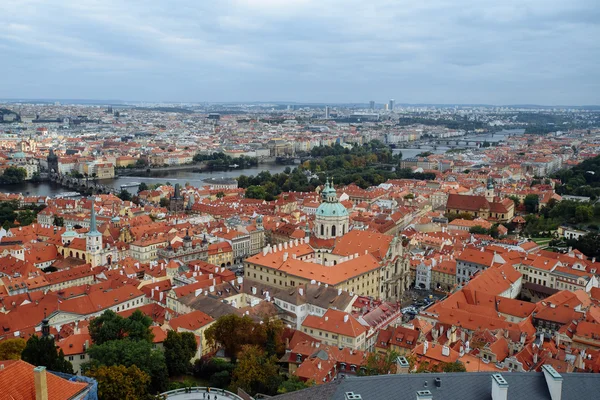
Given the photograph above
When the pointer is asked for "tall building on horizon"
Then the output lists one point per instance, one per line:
(391, 105)
(372, 105)
(326, 112)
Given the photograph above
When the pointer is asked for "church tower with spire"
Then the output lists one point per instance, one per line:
(489, 191)
(93, 241)
(332, 219)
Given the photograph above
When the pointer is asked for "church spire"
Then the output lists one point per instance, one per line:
(93, 228)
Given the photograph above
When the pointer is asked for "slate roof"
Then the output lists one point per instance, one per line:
(463, 386)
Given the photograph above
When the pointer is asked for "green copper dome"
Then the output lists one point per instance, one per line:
(69, 232)
(331, 210)
(330, 207)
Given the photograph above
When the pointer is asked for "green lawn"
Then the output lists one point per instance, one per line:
(542, 241)
(186, 380)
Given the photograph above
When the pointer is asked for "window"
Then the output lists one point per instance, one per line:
(70, 358)
(82, 357)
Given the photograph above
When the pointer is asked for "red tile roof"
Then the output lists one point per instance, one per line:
(17, 382)
(334, 321)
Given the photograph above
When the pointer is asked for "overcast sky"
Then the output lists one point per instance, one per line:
(423, 51)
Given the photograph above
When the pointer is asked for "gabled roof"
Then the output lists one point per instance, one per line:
(337, 322)
(357, 241)
(191, 322)
(17, 382)
(467, 202)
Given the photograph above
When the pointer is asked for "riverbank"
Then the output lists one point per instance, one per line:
(199, 167)
(153, 177)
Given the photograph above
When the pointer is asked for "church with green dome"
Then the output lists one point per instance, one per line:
(332, 219)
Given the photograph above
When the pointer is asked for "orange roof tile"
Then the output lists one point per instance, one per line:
(336, 321)
(17, 382)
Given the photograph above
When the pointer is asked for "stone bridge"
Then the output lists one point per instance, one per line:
(81, 184)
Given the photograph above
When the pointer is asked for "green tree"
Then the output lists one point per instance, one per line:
(58, 221)
(255, 372)
(164, 202)
(220, 379)
(106, 327)
(256, 192)
(588, 244)
(220, 194)
(293, 384)
(129, 352)
(584, 213)
(456, 366)
(124, 195)
(531, 203)
(8, 214)
(478, 230)
(141, 163)
(36, 177)
(273, 330)
(142, 187)
(111, 326)
(26, 217)
(11, 349)
(231, 332)
(494, 231)
(382, 364)
(243, 181)
(179, 350)
(118, 382)
(515, 200)
(13, 175)
(43, 351)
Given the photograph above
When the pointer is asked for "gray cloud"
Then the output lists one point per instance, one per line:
(435, 51)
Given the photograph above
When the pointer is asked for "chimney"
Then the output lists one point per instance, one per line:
(499, 387)
(352, 396)
(402, 365)
(346, 318)
(285, 256)
(41, 386)
(339, 291)
(424, 395)
(301, 291)
(554, 382)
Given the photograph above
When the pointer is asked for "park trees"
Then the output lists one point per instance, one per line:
(129, 352)
(118, 382)
(256, 372)
(531, 203)
(111, 326)
(179, 347)
(11, 349)
(42, 351)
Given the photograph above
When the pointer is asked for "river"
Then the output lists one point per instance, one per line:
(497, 137)
(197, 178)
(173, 177)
